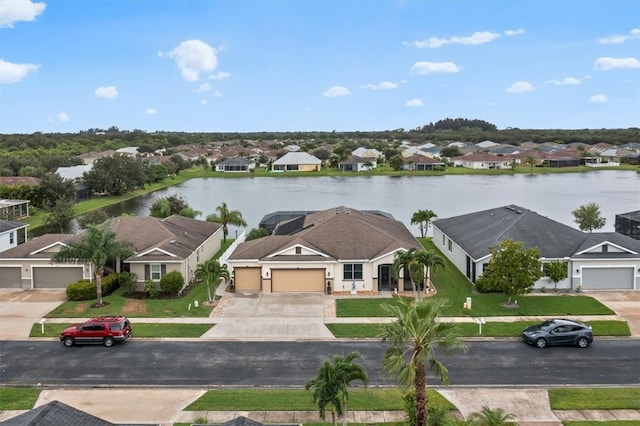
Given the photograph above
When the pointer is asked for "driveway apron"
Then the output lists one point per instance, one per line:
(20, 309)
(270, 316)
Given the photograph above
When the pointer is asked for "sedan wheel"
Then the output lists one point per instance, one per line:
(68, 341)
(108, 341)
(541, 342)
(583, 342)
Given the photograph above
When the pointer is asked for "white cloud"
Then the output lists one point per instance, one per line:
(107, 92)
(150, 111)
(414, 103)
(16, 11)
(217, 94)
(13, 73)
(598, 99)
(204, 87)
(204, 102)
(567, 81)
(608, 63)
(63, 116)
(192, 58)
(420, 68)
(619, 38)
(220, 75)
(521, 87)
(514, 32)
(479, 37)
(336, 92)
(385, 85)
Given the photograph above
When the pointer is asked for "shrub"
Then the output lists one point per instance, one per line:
(110, 283)
(82, 290)
(172, 282)
(129, 282)
(150, 289)
(484, 286)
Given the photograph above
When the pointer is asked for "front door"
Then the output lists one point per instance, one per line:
(386, 280)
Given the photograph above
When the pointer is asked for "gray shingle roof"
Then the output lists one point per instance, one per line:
(56, 413)
(8, 225)
(476, 232)
(339, 233)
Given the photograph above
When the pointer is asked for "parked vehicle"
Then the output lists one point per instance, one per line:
(105, 330)
(558, 332)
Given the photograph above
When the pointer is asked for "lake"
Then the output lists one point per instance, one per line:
(553, 195)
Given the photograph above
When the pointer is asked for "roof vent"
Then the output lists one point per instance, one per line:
(346, 210)
(337, 210)
(519, 211)
(172, 241)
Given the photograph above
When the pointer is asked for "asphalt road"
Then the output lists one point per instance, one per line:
(291, 364)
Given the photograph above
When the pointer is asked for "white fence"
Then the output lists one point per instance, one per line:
(225, 256)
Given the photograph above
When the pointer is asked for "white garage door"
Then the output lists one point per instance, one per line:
(10, 277)
(56, 277)
(607, 278)
(297, 280)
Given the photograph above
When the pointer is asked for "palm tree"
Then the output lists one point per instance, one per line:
(492, 417)
(423, 219)
(415, 263)
(226, 217)
(211, 272)
(330, 388)
(413, 336)
(96, 246)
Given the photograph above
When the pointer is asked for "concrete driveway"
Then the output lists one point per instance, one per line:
(270, 316)
(624, 303)
(20, 309)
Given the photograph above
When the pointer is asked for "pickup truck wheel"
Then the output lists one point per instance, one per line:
(68, 341)
(108, 341)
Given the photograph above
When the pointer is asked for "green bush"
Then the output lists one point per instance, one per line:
(150, 289)
(484, 286)
(110, 283)
(129, 282)
(82, 290)
(172, 282)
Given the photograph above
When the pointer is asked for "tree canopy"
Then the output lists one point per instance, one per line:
(588, 217)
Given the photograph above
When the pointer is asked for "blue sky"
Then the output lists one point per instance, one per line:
(317, 65)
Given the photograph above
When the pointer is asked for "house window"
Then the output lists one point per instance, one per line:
(352, 271)
(605, 248)
(298, 250)
(443, 239)
(12, 237)
(156, 272)
(450, 245)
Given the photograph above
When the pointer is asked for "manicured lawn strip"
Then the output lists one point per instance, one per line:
(490, 329)
(18, 398)
(142, 330)
(595, 398)
(371, 399)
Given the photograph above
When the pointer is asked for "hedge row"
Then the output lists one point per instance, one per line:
(86, 290)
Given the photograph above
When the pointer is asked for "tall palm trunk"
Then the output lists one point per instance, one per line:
(98, 275)
(334, 420)
(344, 412)
(421, 395)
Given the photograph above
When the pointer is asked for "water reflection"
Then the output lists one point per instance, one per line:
(552, 195)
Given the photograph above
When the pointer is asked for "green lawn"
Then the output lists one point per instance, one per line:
(595, 398)
(18, 398)
(142, 330)
(453, 286)
(490, 329)
(370, 399)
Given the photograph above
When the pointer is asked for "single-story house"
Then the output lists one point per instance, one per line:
(19, 180)
(236, 164)
(421, 162)
(357, 164)
(175, 243)
(595, 260)
(13, 209)
(482, 160)
(12, 234)
(367, 153)
(296, 162)
(339, 249)
(74, 172)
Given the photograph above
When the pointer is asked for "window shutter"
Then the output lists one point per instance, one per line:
(163, 270)
(147, 273)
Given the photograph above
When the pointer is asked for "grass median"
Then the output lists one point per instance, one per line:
(595, 398)
(489, 329)
(140, 330)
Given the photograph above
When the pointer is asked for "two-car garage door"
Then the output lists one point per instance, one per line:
(607, 278)
(297, 280)
(55, 277)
